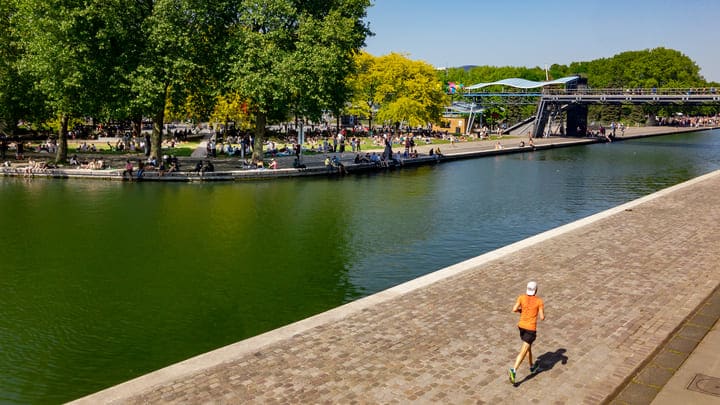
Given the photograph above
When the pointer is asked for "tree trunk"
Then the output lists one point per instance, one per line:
(62, 146)
(370, 117)
(158, 123)
(260, 121)
(136, 127)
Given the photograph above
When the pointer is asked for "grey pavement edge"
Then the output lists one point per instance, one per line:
(616, 285)
(697, 381)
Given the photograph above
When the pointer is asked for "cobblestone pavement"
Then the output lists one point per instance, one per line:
(616, 286)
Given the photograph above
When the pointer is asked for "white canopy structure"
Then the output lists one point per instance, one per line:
(522, 83)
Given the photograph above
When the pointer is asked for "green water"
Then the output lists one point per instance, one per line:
(103, 281)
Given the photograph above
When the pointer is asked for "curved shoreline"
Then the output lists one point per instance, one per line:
(315, 166)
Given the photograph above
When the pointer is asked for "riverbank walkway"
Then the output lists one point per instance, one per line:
(232, 169)
(628, 293)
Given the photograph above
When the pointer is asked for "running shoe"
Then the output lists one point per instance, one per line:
(511, 373)
(534, 368)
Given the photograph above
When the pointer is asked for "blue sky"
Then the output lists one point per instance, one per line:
(535, 33)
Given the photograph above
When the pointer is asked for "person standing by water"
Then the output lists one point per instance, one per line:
(530, 306)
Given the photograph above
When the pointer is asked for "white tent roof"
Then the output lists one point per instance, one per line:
(522, 83)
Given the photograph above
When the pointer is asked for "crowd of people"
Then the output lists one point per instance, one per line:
(395, 148)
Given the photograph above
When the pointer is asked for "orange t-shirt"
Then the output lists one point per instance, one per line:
(530, 306)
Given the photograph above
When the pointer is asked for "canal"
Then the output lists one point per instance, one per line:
(103, 281)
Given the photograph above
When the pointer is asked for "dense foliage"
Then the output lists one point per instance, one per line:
(650, 68)
(293, 56)
(659, 67)
(395, 90)
(133, 59)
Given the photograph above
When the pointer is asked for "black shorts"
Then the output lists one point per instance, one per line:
(527, 336)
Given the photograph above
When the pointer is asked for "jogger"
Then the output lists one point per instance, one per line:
(529, 305)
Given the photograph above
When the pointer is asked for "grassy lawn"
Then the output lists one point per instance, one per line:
(183, 149)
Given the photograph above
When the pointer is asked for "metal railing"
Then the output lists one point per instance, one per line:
(695, 91)
(698, 91)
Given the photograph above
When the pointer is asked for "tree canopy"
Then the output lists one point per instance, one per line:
(293, 56)
(658, 67)
(70, 49)
(18, 98)
(127, 59)
(402, 91)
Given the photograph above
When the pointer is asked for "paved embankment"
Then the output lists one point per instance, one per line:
(617, 286)
(229, 169)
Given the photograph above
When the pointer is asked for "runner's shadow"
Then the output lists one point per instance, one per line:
(546, 362)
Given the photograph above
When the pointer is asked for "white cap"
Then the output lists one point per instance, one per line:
(531, 288)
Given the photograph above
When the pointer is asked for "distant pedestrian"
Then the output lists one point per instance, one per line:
(529, 305)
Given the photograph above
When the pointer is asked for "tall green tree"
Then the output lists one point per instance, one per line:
(18, 100)
(180, 58)
(75, 51)
(293, 56)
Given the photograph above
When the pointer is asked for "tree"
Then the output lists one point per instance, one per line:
(18, 100)
(230, 107)
(327, 48)
(180, 58)
(364, 86)
(67, 48)
(403, 90)
(293, 56)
